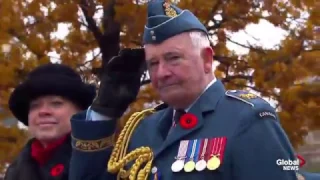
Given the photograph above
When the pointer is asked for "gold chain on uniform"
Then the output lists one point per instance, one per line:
(119, 159)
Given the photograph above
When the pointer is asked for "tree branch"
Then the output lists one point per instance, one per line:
(217, 25)
(145, 82)
(89, 61)
(92, 26)
(211, 15)
(110, 44)
(259, 50)
(230, 78)
(144, 78)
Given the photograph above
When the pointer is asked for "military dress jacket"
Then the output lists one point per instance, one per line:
(241, 132)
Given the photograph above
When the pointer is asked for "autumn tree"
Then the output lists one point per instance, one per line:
(98, 29)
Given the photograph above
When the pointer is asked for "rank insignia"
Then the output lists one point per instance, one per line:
(168, 10)
(248, 96)
(245, 97)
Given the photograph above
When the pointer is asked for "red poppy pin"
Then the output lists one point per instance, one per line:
(57, 170)
(188, 121)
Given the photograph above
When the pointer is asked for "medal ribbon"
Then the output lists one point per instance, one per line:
(182, 149)
(200, 149)
(196, 154)
(203, 149)
(222, 145)
(218, 147)
(214, 147)
(194, 146)
(209, 149)
(219, 143)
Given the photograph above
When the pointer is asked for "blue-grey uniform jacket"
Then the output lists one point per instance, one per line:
(237, 134)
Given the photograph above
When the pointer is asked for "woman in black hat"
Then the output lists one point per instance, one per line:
(45, 102)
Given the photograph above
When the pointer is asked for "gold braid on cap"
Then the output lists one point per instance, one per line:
(119, 157)
(169, 11)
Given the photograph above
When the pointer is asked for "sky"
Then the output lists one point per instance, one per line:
(264, 33)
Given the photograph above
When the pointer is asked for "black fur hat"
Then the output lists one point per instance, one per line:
(50, 79)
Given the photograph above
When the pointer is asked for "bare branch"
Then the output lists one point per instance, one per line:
(91, 60)
(98, 9)
(245, 31)
(210, 18)
(82, 22)
(217, 25)
(259, 50)
(92, 26)
(230, 78)
(145, 82)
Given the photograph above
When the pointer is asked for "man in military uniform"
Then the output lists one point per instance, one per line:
(202, 131)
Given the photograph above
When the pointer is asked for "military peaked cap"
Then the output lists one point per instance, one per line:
(166, 20)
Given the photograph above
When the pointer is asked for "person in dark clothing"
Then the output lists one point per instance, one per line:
(45, 102)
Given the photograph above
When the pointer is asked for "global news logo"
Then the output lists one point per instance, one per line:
(291, 165)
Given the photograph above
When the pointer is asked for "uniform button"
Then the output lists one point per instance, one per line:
(154, 170)
(153, 38)
(152, 32)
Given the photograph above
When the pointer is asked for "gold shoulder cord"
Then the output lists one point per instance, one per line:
(119, 159)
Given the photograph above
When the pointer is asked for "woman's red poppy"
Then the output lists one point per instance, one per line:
(188, 121)
(57, 170)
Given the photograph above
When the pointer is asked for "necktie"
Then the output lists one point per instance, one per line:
(176, 117)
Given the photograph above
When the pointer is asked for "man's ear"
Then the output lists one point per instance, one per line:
(207, 56)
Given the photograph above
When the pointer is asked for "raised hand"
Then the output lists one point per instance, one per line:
(120, 83)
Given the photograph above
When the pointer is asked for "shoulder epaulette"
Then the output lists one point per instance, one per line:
(246, 97)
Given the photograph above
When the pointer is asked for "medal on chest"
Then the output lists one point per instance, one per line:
(202, 164)
(199, 154)
(193, 147)
(216, 149)
(180, 158)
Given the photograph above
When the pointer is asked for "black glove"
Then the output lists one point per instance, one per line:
(120, 83)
